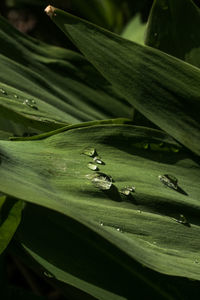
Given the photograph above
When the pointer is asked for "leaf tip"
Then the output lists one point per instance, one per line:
(50, 11)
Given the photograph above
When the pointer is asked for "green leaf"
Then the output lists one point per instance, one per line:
(10, 217)
(72, 254)
(135, 30)
(52, 173)
(164, 89)
(65, 87)
(173, 27)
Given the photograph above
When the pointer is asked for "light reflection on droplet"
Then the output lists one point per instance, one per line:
(92, 167)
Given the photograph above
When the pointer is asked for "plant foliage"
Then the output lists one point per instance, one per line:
(110, 207)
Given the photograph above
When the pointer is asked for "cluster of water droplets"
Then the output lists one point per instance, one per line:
(127, 190)
(105, 182)
(31, 103)
(99, 179)
(115, 227)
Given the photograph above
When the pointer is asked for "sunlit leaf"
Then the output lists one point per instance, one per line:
(53, 172)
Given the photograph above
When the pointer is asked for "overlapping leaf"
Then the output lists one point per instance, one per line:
(10, 217)
(173, 27)
(163, 88)
(46, 87)
(52, 173)
(135, 30)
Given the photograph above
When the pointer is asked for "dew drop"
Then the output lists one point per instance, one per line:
(139, 211)
(3, 91)
(30, 103)
(98, 160)
(182, 220)
(16, 96)
(92, 167)
(196, 261)
(101, 224)
(127, 190)
(155, 34)
(169, 180)
(102, 181)
(89, 151)
(119, 229)
(48, 274)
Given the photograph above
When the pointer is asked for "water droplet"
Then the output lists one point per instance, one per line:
(196, 261)
(3, 91)
(155, 34)
(127, 190)
(98, 160)
(182, 220)
(92, 167)
(89, 151)
(102, 181)
(169, 180)
(139, 211)
(154, 243)
(48, 274)
(101, 224)
(30, 103)
(16, 96)
(118, 229)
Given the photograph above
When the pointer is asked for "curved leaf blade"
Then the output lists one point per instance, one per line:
(66, 89)
(164, 89)
(10, 217)
(51, 172)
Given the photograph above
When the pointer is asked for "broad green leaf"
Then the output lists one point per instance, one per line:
(163, 88)
(135, 30)
(173, 27)
(52, 172)
(65, 87)
(10, 217)
(72, 254)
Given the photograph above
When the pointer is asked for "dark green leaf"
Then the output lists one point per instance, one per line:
(163, 88)
(51, 172)
(173, 27)
(64, 86)
(10, 217)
